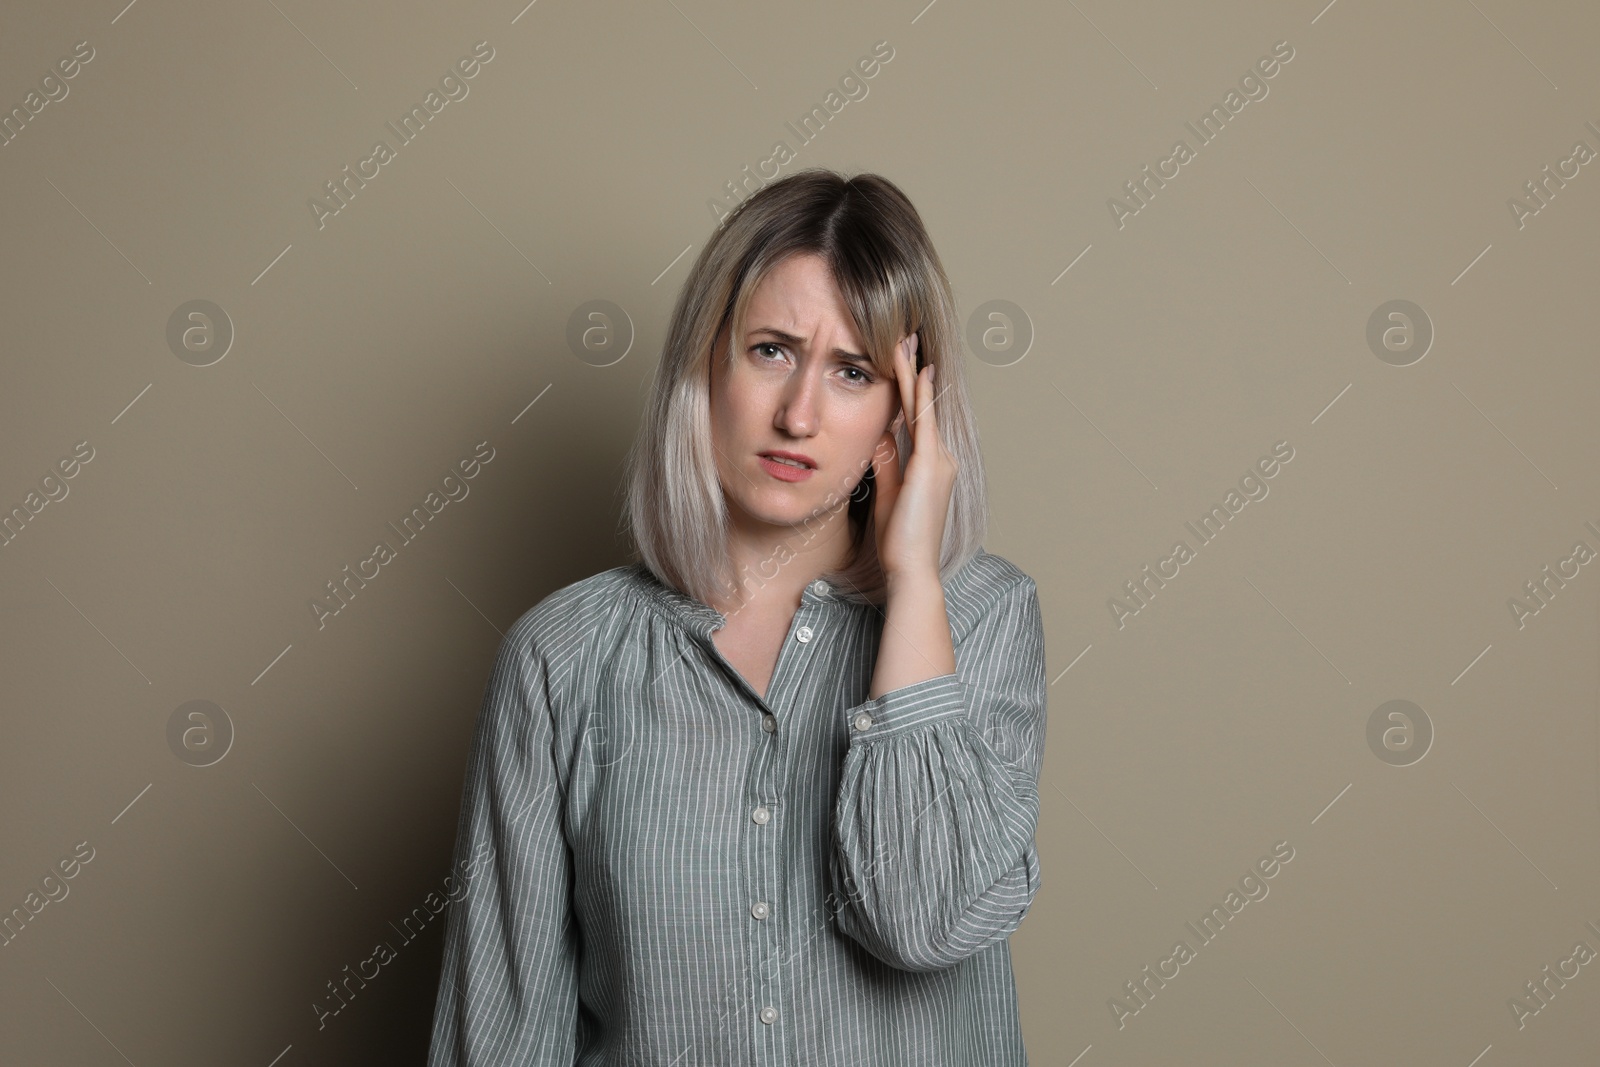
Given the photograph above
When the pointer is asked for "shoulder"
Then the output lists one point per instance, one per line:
(985, 579)
(996, 624)
(556, 630)
(990, 590)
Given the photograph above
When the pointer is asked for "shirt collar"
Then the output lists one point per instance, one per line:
(701, 617)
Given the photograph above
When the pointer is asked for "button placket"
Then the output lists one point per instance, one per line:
(766, 870)
(764, 873)
(763, 878)
(807, 625)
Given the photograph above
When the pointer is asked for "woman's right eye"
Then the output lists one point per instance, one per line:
(764, 344)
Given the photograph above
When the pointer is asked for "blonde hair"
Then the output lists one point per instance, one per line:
(893, 284)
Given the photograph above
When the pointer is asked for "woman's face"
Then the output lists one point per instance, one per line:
(799, 383)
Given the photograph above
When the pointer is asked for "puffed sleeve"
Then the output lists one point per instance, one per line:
(508, 992)
(933, 854)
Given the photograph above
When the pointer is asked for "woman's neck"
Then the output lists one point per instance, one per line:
(783, 560)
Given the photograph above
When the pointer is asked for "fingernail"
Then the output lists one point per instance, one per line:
(931, 369)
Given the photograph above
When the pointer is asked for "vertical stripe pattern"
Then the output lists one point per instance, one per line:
(665, 868)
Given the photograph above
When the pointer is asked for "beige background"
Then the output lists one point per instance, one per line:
(1230, 313)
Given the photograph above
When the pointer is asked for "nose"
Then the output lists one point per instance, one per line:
(799, 412)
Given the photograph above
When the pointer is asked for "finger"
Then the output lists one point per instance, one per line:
(926, 429)
(906, 381)
(912, 342)
(886, 479)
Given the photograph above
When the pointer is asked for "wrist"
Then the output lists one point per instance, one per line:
(913, 580)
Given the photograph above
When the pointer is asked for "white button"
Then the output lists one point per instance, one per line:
(768, 722)
(819, 587)
(803, 634)
(769, 1015)
(760, 816)
(759, 909)
(863, 720)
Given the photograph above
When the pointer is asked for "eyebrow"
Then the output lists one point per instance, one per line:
(791, 339)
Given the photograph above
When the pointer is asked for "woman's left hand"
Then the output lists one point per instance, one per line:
(909, 509)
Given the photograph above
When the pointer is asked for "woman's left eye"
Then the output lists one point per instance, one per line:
(865, 379)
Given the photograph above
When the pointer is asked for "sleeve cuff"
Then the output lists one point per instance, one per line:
(900, 710)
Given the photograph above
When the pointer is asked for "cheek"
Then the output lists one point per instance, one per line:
(861, 443)
(736, 410)
(752, 402)
(724, 400)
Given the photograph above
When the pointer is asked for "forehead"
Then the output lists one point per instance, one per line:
(800, 296)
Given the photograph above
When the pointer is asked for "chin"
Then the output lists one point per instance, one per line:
(782, 510)
(791, 514)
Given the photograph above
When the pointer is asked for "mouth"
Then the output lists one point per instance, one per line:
(794, 459)
(787, 466)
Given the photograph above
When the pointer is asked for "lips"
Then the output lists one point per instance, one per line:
(787, 466)
(797, 457)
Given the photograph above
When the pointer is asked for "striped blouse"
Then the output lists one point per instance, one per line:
(664, 868)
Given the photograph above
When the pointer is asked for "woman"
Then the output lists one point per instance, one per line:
(767, 795)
